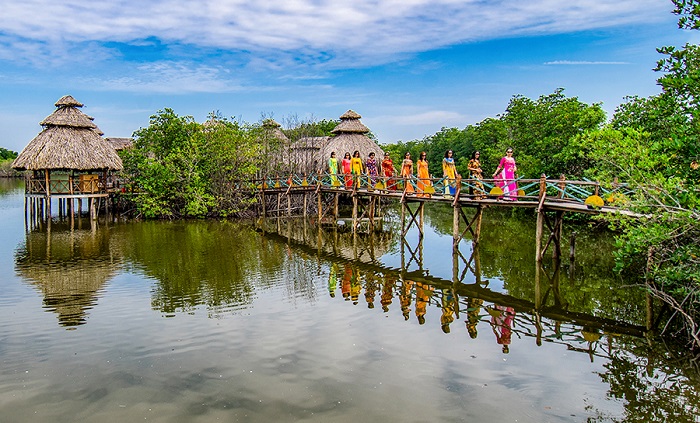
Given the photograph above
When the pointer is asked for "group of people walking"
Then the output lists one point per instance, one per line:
(353, 167)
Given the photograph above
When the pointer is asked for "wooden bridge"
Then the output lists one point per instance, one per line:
(551, 198)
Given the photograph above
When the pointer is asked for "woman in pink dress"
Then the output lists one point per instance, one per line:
(507, 169)
(345, 164)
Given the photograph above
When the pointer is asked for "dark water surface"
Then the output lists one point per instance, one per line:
(220, 321)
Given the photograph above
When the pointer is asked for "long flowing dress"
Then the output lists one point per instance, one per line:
(371, 165)
(475, 173)
(388, 171)
(407, 174)
(356, 166)
(449, 171)
(333, 170)
(346, 172)
(507, 177)
(423, 178)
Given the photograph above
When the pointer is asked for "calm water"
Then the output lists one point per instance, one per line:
(217, 321)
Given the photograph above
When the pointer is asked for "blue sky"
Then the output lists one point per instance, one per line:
(409, 67)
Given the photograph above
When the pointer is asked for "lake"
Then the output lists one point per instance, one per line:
(205, 321)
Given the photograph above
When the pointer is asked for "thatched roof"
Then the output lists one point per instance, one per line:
(350, 123)
(350, 136)
(69, 140)
(272, 129)
(120, 143)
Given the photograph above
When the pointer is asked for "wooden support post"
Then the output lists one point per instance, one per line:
(48, 207)
(319, 207)
(279, 203)
(556, 235)
(354, 214)
(456, 234)
(562, 185)
(538, 237)
(306, 199)
(289, 205)
(540, 219)
(335, 205)
(371, 214)
(420, 227)
(476, 234)
(403, 219)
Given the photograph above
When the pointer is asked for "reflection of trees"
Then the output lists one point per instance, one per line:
(198, 263)
(507, 250)
(10, 185)
(69, 268)
(654, 385)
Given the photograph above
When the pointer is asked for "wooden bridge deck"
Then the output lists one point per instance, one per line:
(587, 197)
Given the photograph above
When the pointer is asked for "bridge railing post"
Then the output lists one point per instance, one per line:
(562, 185)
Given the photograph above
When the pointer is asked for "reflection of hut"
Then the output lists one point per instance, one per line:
(69, 159)
(350, 135)
(69, 268)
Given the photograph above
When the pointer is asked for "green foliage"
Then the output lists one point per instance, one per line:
(185, 169)
(540, 131)
(6, 154)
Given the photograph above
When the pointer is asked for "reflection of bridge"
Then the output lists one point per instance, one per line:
(551, 198)
(311, 240)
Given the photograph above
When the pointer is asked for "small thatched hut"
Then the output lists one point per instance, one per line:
(69, 158)
(350, 135)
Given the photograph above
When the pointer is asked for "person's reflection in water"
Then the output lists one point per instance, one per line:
(405, 298)
(370, 288)
(333, 279)
(423, 294)
(473, 310)
(501, 323)
(345, 286)
(387, 292)
(355, 286)
(448, 310)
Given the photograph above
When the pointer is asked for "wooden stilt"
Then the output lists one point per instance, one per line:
(335, 205)
(354, 214)
(279, 203)
(476, 234)
(421, 210)
(538, 237)
(319, 207)
(306, 200)
(455, 227)
(289, 204)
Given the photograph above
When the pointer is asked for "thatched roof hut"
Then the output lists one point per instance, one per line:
(350, 135)
(69, 141)
(119, 143)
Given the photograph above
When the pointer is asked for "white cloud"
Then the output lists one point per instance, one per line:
(171, 78)
(432, 117)
(583, 62)
(318, 31)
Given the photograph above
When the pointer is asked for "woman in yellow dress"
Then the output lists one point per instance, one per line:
(407, 173)
(475, 172)
(356, 166)
(423, 175)
(333, 170)
(449, 172)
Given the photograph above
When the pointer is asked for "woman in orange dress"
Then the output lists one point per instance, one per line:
(423, 175)
(388, 172)
(407, 173)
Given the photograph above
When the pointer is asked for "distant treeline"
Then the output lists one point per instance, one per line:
(6, 158)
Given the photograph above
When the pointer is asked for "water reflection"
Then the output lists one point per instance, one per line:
(69, 268)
